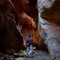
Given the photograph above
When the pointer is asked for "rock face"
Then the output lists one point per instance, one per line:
(29, 7)
(10, 38)
(49, 24)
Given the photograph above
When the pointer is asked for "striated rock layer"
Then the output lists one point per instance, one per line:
(49, 24)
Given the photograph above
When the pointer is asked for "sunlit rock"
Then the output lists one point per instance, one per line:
(49, 24)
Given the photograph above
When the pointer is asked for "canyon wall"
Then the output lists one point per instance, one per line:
(49, 24)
